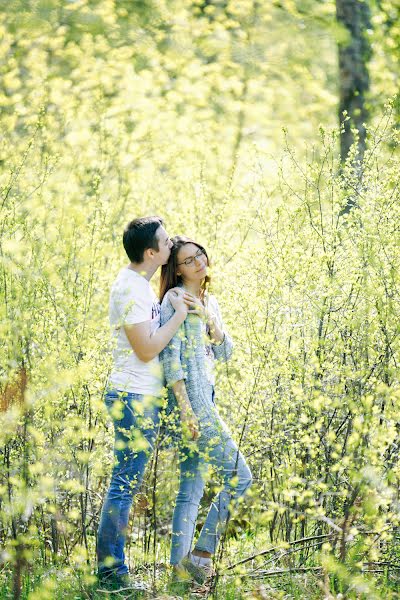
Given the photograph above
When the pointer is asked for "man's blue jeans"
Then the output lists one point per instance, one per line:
(236, 478)
(136, 420)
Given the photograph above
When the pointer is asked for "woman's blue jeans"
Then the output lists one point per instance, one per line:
(236, 478)
(136, 421)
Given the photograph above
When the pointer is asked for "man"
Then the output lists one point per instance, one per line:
(135, 383)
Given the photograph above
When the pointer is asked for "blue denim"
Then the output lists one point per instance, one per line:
(236, 477)
(136, 422)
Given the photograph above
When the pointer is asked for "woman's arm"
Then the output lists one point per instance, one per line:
(216, 333)
(221, 342)
(222, 351)
(189, 421)
(171, 354)
(175, 375)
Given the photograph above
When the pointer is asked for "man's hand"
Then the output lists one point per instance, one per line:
(181, 301)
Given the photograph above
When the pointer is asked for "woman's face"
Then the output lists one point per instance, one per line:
(192, 263)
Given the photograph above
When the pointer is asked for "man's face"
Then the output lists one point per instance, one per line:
(164, 246)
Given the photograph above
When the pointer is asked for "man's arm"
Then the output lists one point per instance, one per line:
(147, 346)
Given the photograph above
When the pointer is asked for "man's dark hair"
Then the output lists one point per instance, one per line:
(139, 235)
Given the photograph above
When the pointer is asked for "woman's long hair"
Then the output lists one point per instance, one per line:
(169, 279)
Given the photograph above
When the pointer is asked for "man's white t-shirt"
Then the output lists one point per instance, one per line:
(132, 300)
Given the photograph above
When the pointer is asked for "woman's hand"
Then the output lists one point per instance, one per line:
(203, 312)
(189, 421)
(216, 333)
(190, 425)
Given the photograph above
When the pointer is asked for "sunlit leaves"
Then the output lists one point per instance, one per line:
(115, 109)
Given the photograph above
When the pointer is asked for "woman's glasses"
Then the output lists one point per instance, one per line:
(189, 261)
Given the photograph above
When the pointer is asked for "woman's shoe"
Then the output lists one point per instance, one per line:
(184, 575)
(197, 573)
(207, 568)
(180, 581)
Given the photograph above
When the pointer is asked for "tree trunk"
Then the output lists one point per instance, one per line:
(354, 53)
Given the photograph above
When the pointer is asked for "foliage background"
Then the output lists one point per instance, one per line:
(221, 117)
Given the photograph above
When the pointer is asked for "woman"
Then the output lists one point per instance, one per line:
(188, 362)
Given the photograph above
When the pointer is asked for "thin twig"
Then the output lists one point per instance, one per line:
(276, 548)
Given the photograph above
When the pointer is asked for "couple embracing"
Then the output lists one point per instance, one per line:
(174, 344)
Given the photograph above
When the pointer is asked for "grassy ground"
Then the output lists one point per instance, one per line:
(64, 584)
(256, 581)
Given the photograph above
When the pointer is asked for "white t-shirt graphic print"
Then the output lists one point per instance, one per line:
(132, 300)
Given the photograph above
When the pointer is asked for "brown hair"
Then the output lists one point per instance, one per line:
(169, 279)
